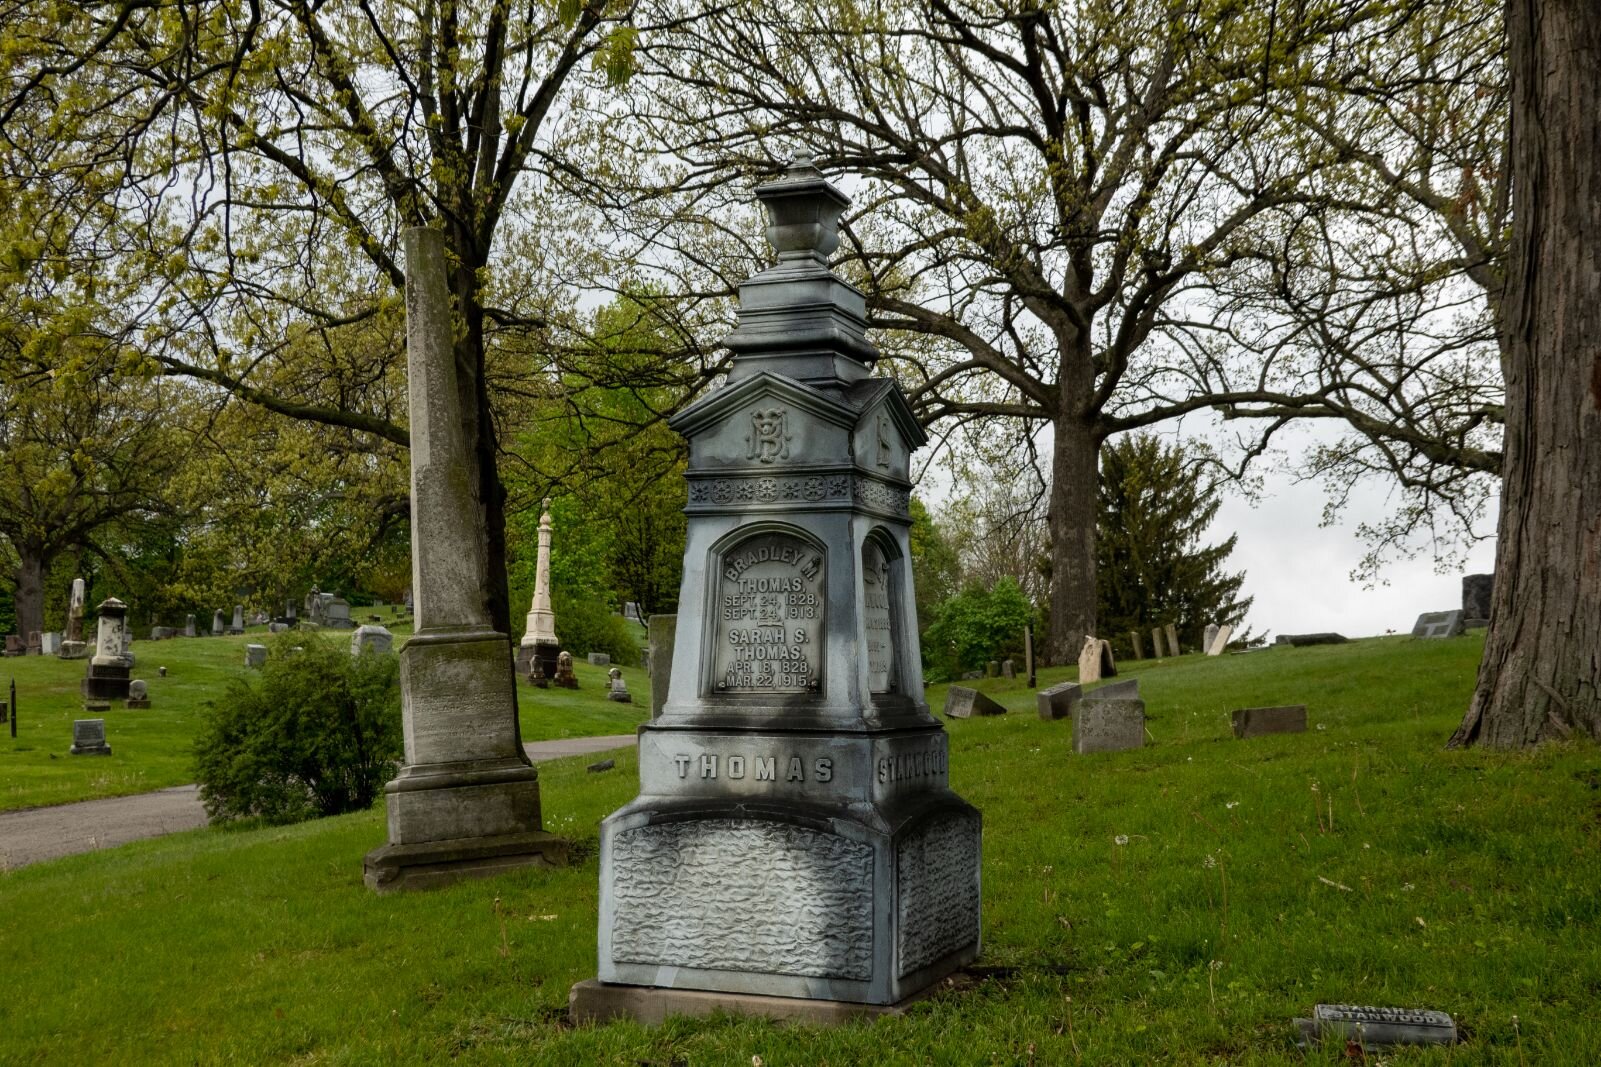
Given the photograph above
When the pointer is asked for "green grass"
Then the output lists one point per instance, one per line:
(151, 747)
(1356, 862)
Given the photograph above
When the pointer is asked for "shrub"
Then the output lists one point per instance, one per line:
(317, 732)
(585, 626)
(975, 626)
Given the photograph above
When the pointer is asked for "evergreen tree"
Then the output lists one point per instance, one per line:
(1153, 569)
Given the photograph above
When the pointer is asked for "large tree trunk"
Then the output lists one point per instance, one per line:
(1541, 674)
(30, 589)
(476, 412)
(1074, 474)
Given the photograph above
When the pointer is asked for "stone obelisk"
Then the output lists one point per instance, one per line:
(466, 803)
(73, 647)
(536, 654)
(795, 849)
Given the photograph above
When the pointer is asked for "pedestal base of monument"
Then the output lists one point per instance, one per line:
(466, 805)
(74, 650)
(429, 864)
(106, 682)
(592, 1001)
(798, 900)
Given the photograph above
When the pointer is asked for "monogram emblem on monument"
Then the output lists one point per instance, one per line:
(769, 437)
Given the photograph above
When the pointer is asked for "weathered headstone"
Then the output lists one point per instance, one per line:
(466, 801)
(1220, 640)
(107, 675)
(35, 643)
(963, 703)
(1157, 643)
(1477, 592)
(1256, 722)
(238, 624)
(1136, 644)
(89, 738)
(1172, 633)
(1008, 669)
(217, 626)
(1371, 1027)
(337, 614)
(1057, 701)
(565, 678)
(15, 646)
(1438, 624)
(50, 643)
(371, 636)
(1109, 719)
(662, 630)
(992, 669)
(255, 655)
(1301, 640)
(631, 611)
(138, 694)
(1209, 638)
(795, 835)
(619, 688)
(76, 605)
(189, 626)
(277, 627)
(599, 659)
(1089, 660)
(537, 652)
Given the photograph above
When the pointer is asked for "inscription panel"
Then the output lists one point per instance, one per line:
(743, 895)
(769, 604)
(822, 769)
(937, 871)
(880, 620)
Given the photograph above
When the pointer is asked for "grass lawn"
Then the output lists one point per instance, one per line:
(1177, 904)
(151, 747)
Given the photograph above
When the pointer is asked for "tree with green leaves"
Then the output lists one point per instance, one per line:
(1155, 506)
(1042, 193)
(254, 163)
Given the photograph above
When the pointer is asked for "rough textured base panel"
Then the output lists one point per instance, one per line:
(937, 874)
(596, 1002)
(742, 895)
(393, 868)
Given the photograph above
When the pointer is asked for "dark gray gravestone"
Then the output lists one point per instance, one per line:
(1109, 719)
(1476, 592)
(1370, 1026)
(89, 738)
(1255, 722)
(963, 703)
(1299, 640)
(1438, 624)
(1008, 669)
(1057, 701)
(599, 659)
(138, 693)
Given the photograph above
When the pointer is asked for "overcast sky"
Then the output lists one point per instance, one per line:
(1299, 572)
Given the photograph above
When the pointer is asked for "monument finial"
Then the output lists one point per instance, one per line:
(803, 210)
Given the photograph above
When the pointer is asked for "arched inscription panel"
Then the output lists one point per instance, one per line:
(769, 636)
(878, 585)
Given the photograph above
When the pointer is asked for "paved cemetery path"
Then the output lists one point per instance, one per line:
(38, 834)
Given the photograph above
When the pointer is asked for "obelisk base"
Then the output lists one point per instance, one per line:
(430, 864)
(592, 1001)
(466, 805)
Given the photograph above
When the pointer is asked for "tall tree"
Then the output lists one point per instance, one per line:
(1541, 674)
(1043, 189)
(1155, 507)
(260, 159)
(84, 459)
